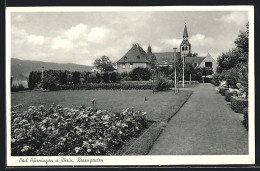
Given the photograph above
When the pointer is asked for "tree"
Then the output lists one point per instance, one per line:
(76, 77)
(105, 77)
(236, 56)
(35, 78)
(104, 64)
(63, 78)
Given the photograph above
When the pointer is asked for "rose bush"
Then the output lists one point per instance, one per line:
(59, 130)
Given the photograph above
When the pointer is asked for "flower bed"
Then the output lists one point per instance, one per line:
(228, 95)
(64, 131)
(106, 86)
(222, 91)
(245, 121)
(238, 104)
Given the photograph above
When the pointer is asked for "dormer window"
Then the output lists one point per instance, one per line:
(138, 57)
(125, 58)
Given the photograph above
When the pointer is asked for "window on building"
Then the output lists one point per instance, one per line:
(125, 58)
(208, 64)
(138, 57)
(131, 66)
(186, 48)
(182, 48)
(123, 66)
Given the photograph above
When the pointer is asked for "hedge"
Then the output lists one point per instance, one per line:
(228, 95)
(245, 121)
(222, 91)
(238, 104)
(106, 86)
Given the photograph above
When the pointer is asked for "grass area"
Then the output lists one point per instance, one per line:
(159, 106)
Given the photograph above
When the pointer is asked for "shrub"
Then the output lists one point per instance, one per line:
(245, 121)
(58, 130)
(238, 104)
(19, 87)
(140, 74)
(106, 86)
(124, 76)
(222, 91)
(105, 77)
(228, 95)
(162, 84)
(114, 77)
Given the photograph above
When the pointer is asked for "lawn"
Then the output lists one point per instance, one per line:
(159, 106)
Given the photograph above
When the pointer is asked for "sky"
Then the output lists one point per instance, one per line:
(82, 37)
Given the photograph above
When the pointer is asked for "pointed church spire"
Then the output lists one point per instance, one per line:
(185, 33)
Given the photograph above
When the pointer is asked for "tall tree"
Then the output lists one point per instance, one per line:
(104, 64)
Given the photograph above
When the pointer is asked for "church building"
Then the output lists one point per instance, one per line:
(137, 57)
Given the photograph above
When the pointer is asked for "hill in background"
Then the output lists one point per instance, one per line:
(20, 69)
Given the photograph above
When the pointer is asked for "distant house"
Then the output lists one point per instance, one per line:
(134, 58)
(206, 61)
(137, 57)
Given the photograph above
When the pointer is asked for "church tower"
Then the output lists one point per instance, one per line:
(149, 50)
(185, 47)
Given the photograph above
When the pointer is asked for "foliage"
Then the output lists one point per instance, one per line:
(106, 86)
(63, 78)
(114, 77)
(18, 87)
(35, 78)
(228, 95)
(140, 74)
(124, 76)
(245, 121)
(238, 104)
(61, 131)
(104, 64)
(162, 84)
(105, 77)
(76, 77)
(49, 82)
(98, 78)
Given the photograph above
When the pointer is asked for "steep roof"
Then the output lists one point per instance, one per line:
(185, 33)
(196, 60)
(135, 55)
(166, 58)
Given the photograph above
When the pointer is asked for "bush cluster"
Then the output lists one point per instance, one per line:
(222, 91)
(228, 95)
(162, 84)
(238, 104)
(61, 131)
(18, 87)
(245, 121)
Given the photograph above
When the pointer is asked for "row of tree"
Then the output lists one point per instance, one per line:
(233, 65)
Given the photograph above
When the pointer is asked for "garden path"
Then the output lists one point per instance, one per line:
(204, 125)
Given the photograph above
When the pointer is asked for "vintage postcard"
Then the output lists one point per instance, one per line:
(115, 86)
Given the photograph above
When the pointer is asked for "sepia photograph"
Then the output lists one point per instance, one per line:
(136, 85)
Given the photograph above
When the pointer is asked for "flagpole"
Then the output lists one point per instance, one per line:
(183, 71)
(175, 77)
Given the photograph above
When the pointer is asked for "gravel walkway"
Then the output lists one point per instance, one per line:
(205, 125)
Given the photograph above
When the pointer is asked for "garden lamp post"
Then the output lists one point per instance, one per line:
(175, 77)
